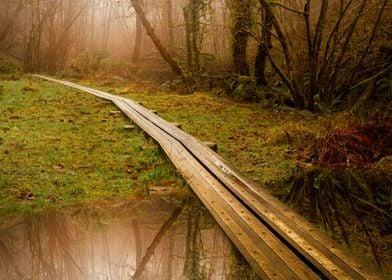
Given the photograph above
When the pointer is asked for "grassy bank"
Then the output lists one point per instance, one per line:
(60, 147)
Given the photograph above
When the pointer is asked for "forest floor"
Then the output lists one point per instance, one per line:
(60, 147)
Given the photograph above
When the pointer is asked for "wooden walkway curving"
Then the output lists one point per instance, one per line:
(278, 243)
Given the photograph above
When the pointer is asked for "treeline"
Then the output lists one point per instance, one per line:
(322, 53)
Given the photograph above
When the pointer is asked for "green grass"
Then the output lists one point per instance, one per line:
(60, 147)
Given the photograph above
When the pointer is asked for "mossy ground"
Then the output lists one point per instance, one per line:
(59, 147)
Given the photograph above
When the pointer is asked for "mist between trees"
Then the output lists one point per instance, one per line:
(314, 55)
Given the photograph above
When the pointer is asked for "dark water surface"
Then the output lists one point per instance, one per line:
(140, 239)
(354, 206)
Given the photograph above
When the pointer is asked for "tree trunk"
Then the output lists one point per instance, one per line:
(262, 52)
(138, 38)
(241, 24)
(192, 29)
(188, 40)
(158, 44)
(195, 6)
(170, 25)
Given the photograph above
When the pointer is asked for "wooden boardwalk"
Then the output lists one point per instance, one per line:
(278, 243)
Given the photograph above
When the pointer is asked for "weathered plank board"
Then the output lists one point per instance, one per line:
(278, 243)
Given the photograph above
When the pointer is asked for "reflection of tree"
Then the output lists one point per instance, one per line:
(138, 241)
(52, 256)
(150, 250)
(239, 267)
(106, 243)
(192, 250)
(352, 205)
(169, 271)
(7, 260)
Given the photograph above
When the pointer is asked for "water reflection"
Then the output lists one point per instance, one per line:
(149, 239)
(354, 206)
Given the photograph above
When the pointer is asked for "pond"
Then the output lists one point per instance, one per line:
(164, 237)
(153, 238)
(353, 206)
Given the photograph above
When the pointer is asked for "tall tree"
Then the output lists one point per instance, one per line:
(8, 15)
(262, 50)
(241, 18)
(158, 44)
(192, 23)
(138, 36)
(170, 24)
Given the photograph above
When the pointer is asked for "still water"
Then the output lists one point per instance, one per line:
(140, 239)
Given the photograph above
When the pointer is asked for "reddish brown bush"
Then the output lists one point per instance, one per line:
(356, 144)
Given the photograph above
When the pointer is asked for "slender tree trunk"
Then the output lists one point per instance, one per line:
(195, 30)
(188, 39)
(108, 23)
(192, 254)
(158, 44)
(287, 78)
(314, 45)
(138, 38)
(192, 29)
(262, 52)
(154, 244)
(170, 25)
(138, 242)
(92, 38)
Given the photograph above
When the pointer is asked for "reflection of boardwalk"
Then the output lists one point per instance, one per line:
(276, 242)
(148, 239)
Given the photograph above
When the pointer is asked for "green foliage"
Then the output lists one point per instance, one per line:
(88, 61)
(384, 86)
(244, 88)
(7, 67)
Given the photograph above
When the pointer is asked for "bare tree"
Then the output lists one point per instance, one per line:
(9, 14)
(138, 36)
(319, 58)
(177, 69)
(265, 45)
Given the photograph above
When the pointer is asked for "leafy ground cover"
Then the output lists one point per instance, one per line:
(60, 147)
